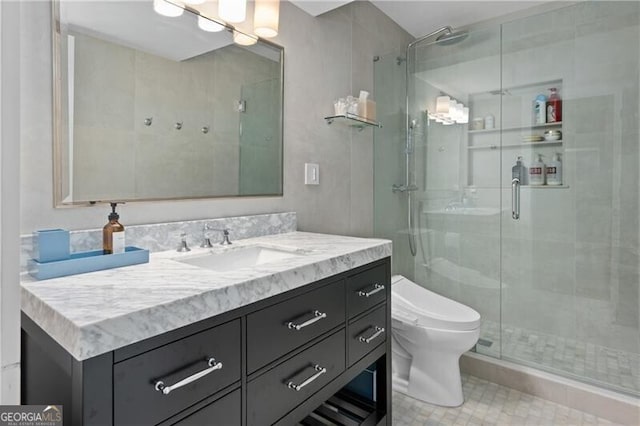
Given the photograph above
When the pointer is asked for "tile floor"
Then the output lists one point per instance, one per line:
(618, 369)
(487, 404)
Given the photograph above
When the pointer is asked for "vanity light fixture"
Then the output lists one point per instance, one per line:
(266, 17)
(449, 111)
(209, 25)
(244, 39)
(234, 11)
(166, 8)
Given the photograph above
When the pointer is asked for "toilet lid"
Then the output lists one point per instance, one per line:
(429, 309)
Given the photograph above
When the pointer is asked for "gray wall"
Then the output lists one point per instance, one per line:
(325, 58)
(9, 205)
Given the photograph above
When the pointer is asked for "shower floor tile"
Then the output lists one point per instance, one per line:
(605, 366)
(488, 404)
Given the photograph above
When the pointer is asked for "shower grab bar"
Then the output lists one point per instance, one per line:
(515, 198)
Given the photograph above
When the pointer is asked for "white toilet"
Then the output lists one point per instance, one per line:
(430, 333)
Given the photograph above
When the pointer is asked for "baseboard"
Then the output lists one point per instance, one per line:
(613, 406)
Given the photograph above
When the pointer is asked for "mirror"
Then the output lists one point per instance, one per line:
(149, 107)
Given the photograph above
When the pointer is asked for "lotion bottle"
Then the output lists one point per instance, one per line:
(536, 172)
(554, 170)
(539, 109)
(113, 234)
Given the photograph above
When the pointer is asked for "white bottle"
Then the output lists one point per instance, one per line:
(540, 109)
(554, 170)
(489, 121)
(536, 172)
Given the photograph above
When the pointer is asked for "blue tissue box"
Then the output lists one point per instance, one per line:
(88, 261)
(50, 245)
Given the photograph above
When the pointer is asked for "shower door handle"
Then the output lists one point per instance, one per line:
(515, 198)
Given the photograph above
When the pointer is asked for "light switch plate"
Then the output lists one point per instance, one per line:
(311, 174)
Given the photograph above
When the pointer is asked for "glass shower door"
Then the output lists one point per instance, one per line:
(570, 260)
(456, 172)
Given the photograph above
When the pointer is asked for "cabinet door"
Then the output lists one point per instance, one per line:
(137, 399)
(367, 288)
(270, 396)
(223, 412)
(367, 333)
(271, 332)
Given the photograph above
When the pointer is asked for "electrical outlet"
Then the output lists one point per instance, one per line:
(311, 174)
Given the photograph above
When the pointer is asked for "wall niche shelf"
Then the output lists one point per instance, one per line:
(353, 120)
(510, 129)
(517, 133)
(518, 145)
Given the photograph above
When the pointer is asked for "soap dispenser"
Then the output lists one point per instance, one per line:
(554, 170)
(519, 171)
(536, 172)
(113, 234)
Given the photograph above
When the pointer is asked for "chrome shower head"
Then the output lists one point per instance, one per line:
(451, 37)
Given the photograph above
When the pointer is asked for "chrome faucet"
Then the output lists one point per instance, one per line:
(206, 241)
(183, 247)
(225, 238)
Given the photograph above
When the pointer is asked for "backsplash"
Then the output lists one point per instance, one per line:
(166, 236)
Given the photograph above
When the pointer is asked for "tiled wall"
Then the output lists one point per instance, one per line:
(569, 266)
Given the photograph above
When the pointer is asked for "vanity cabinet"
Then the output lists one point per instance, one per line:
(282, 360)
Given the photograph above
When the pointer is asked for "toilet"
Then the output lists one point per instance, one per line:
(429, 334)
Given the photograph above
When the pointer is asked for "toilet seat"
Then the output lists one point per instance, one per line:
(423, 308)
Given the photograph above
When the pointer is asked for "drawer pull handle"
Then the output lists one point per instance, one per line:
(319, 372)
(378, 332)
(317, 316)
(213, 366)
(376, 288)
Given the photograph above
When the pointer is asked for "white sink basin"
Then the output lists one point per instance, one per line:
(238, 258)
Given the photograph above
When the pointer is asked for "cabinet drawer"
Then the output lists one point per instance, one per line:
(367, 333)
(271, 332)
(225, 411)
(364, 289)
(271, 396)
(136, 400)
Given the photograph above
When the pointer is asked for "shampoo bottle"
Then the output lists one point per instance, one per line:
(554, 107)
(539, 109)
(113, 234)
(536, 172)
(554, 170)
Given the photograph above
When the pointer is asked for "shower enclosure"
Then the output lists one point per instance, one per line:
(552, 269)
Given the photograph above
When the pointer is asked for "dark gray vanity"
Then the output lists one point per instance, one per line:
(285, 359)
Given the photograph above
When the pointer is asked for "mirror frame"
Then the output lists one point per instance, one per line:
(58, 125)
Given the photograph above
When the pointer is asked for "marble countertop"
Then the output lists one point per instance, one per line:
(94, 313)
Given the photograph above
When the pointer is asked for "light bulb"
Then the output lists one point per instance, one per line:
(465, 116)
(209, 25)
(244, 39)
(234, 11)
(165, 8)
(266, 17)
(442, 105)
